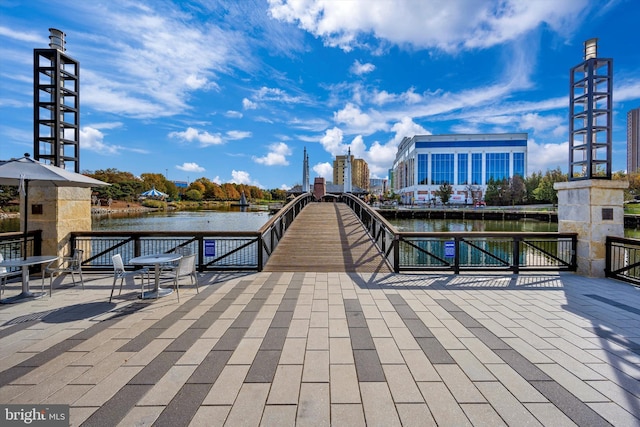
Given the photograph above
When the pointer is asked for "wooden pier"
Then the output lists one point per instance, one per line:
(327, 237)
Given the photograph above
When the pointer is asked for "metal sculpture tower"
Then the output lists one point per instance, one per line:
(347, 173)
(56, 112)
(305, 172)
(590, 116)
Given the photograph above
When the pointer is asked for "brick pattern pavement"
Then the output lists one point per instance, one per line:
(332, 349)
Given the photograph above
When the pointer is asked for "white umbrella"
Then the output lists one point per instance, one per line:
(154, 193)
(24, 170)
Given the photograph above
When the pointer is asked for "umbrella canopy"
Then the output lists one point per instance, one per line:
(17, 171)
(25, 169)
(154, 193)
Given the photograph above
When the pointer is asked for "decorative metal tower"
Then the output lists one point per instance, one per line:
(590, 116)
(305, 172)
(56, 112)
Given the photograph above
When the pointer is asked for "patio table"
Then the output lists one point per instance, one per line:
(25, 263)
(156, 260)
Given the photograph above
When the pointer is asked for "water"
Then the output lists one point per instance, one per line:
(457, 225)
(205, 220)
(228, 220)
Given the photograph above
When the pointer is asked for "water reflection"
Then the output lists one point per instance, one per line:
(227, 220)
(459, 225)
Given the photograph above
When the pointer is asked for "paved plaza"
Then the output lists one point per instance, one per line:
(341, 349)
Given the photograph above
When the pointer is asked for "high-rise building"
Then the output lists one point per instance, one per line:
(466, 162)
(359, 171)
(633, 140)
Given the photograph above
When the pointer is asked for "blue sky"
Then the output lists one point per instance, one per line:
(234, 90)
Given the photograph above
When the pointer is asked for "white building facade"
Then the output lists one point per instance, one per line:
(467, 162)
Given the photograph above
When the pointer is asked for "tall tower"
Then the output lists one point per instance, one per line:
(56, 105)
(633, 140)
(590, 116)
(347, 173)
(305, 172)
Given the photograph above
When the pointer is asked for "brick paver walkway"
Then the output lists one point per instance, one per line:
(341, 349)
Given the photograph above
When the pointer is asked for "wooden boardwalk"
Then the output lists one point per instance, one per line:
(327, 237)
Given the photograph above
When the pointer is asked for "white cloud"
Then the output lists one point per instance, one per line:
(243, 177)
(285, 187)
(203, 137)
(107, 125)
(190, 167)
(137, 40)
(332, 142)
(276, 95)
(324, 170)
(357, 121)
(277, 155)
(240, 177)
(247, 104)
(31, 38)
(233, 114)
(92, 139)
(541, 157)
(359, 68)
(448, 25)
(237, 134)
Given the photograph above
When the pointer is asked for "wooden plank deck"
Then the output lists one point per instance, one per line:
(327, 237)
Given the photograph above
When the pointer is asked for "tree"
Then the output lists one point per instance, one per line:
(156, 180)
(444, 192)
(230, 191)
(8, 194)
(193, 195)
(517, 190)
(545, 192)
(278, 194)
(493, 194)
(530, 184)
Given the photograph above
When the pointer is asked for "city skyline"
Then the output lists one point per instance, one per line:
(236, 92)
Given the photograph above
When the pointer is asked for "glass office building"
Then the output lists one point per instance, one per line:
(467, 162)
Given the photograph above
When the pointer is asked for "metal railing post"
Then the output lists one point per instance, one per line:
(396, 254)
(456, 255)
(516, 254)
(259, 254)
(607, 258)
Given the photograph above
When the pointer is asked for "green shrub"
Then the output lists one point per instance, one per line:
(156, 204)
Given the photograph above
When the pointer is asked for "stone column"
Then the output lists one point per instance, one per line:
(593, 208)
(58, 211)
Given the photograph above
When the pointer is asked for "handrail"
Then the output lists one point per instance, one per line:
(456, 251)
(622, 259)
(272, 232)
(216, 250)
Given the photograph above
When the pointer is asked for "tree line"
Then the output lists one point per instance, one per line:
(536, 188)
(126, 186)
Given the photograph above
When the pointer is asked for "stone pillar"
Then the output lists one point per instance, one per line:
(592, 208)
(57, 211)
